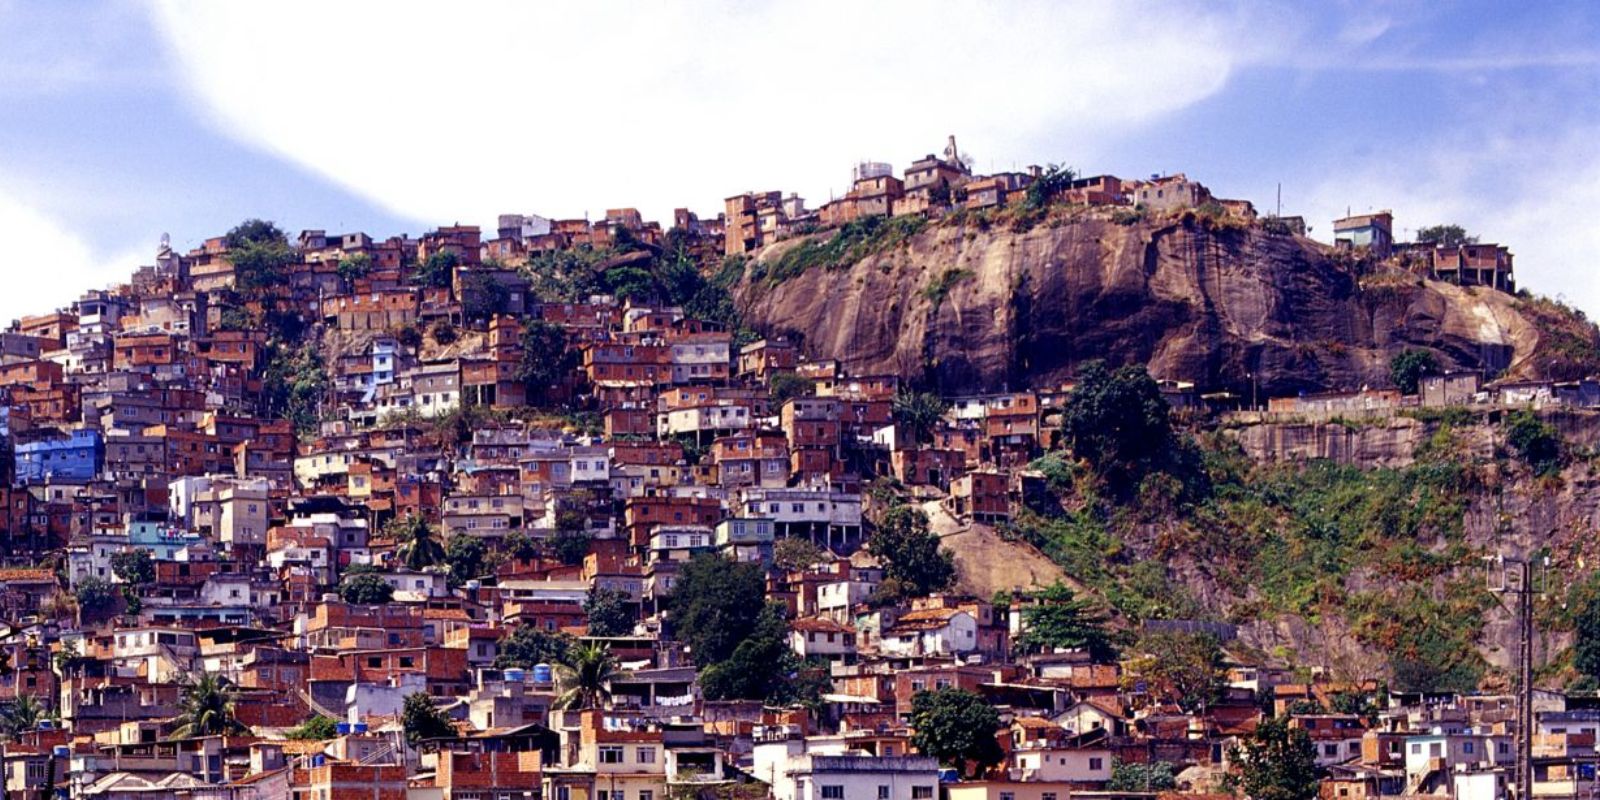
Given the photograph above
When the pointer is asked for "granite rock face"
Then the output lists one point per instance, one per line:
(969, 308)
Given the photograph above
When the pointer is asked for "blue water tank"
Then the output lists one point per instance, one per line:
(360, 727)
(542, 673)
(516, 675)
(343, 728)
(318, 760)
(61, 751)
(46, 724)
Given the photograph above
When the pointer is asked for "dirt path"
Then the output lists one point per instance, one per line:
(988, 563)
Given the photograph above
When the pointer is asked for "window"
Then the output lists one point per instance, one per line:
(1048, 796)
(611, 755)
(883, 792)
(1096, 763)
(833, 793)
(647, 755)
(922, 793)
(1008, 796)
(1333, 749)
(646, 794)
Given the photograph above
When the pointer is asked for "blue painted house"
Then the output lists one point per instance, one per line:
(73, 458)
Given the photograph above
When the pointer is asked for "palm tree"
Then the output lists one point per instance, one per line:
(585, 679)
(205, 708)
(21, 715)
(418, 548)
(919, 412)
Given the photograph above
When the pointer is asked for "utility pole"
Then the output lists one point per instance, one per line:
(1515, 576)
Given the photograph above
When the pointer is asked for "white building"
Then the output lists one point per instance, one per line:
(796, 772)
(933, 631)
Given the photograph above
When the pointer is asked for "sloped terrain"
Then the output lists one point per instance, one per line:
(973, 303)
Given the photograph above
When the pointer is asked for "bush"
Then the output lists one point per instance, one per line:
(1409, 366)
(1535, 441)
(366, 589)
(443, 332)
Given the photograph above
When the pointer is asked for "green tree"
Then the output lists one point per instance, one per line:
(1535, 441)
(20, 715)
(437, 271)
(1058, 619)
(1409, 366)
(629, 283)
(570, 547)
(794, 553)
(584, 679)
(911, 554)
(1129, 776)
(205, 708)
(715, 604)
(134, 566)
(135, 569)
(785, 386)
(1445, 235)
(1185, 667)
(519, 545)
(254, 231)
(353, 268)
(292, 385)
(418, 547)
(919, 412)
(1045, 188)
(422, 720)
(318, 728)
(1585, 603)
(465, 556)
(260, 255)
(409, 337)
(958, 728)
(609, 611)
(1119, 423)
(546, 357)
(763, 667)
(443, 332)
(365, 589)
(95, 595)
(482, 296)
(1277, 762)
(528, 646)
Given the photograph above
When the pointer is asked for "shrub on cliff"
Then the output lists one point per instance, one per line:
(1409, 366)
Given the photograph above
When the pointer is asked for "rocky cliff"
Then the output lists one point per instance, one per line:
(973, 303)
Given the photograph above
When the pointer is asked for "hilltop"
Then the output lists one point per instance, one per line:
(975, 302)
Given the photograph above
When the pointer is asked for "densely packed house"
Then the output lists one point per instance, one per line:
(341, 517)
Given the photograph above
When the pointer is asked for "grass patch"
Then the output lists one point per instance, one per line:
(939, 289)
(848, 244)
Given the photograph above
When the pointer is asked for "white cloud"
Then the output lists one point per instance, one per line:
(462, 112)
(47, 266)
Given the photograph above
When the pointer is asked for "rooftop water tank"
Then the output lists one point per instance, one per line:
(542, 673)
(515, 675)
(343, 728)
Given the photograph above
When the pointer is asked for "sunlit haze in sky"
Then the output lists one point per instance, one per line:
(121, 121)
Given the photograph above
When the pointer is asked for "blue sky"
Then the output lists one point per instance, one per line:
(123, 120)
